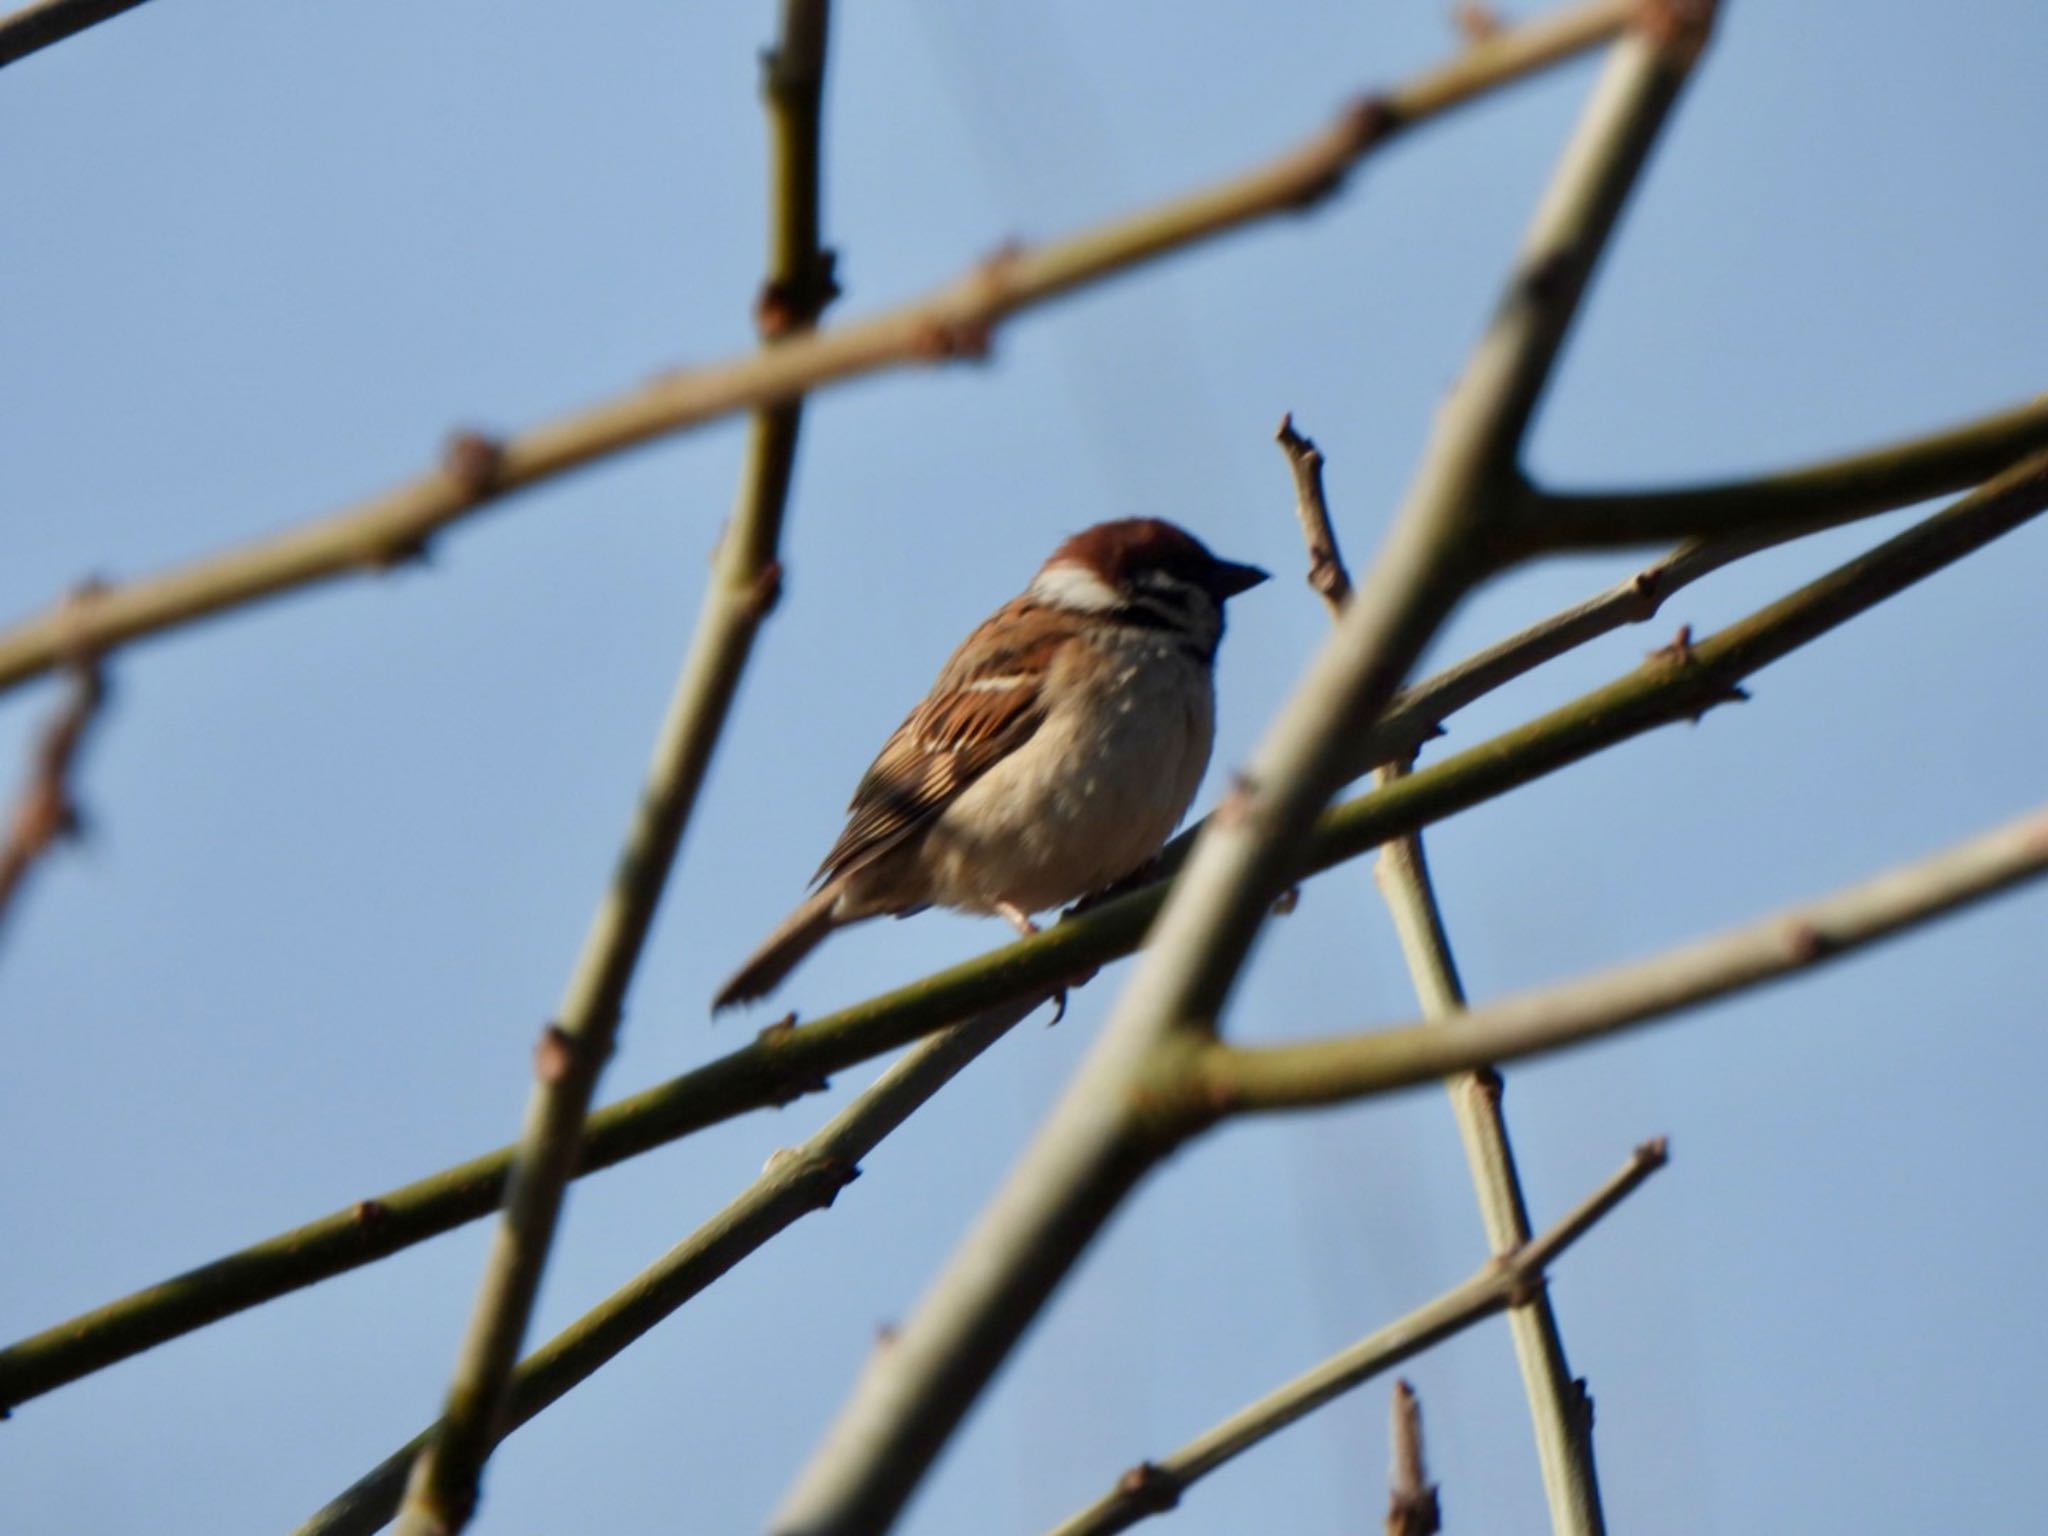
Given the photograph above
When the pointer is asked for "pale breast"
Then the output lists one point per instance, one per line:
(1094, 793)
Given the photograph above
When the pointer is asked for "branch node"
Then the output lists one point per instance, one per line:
(1365, 123)
(787, 305)
(789, 1084)
(370, 1215)
(1679, 653)
(556, 1054)
(1149, 1488)
(474, 461)
(1239, 803)
(1679, 28)
(762, 597)
(1475, 23)
(837, 1172)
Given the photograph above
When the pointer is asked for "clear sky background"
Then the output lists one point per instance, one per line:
(256, 259)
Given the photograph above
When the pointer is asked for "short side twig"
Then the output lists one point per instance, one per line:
(796, 1182)
(47, 810)
(1411, 1497)
(1503, 1282)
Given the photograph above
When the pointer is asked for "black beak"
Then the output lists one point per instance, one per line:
(1227, 579)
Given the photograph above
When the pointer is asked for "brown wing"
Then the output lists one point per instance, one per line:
(986, 704)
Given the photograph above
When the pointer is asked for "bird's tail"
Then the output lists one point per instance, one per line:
(799, 933)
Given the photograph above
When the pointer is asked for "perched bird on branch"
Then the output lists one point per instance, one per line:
(1053, 757)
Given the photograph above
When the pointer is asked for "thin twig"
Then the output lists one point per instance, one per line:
(1557, 1401)
(1559, 1410)
(1501, 1283)
(1350, 1067)
(955, 321)
(796, 1182)
(37, 26)
(785, 1062)
(442, 1490)
(47, 810)
(1411, 1497)
(1099, 1139)
(1327, 576)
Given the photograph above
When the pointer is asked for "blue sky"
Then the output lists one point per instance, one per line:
(259, 259)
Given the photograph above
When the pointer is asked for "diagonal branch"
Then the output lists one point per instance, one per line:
(1503, 1282)
(952, 322)
(442, 1491)
(786, 1062)
(37, 26)
(1098, 1141)
(1557, 1401)
(796, 1182)
(1350, 1067)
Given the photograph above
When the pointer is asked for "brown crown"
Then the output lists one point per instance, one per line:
(1119, 551)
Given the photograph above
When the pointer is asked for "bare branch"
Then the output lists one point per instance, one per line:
(953, 322)
(1503, 1282)
(1341, 1070)
(786, 1062)
(1557, 1400)
(796, 1182)
(37, 26)
(1411, 1497)
(442, 1491)
(1099, 1140)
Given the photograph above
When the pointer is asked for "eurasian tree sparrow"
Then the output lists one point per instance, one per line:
(1053, 757)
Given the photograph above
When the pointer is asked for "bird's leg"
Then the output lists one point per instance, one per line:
(1021, 921)
(1018, 918)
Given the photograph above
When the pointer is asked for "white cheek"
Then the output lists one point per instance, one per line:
(1074, 587)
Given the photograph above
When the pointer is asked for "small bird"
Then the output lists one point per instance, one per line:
(1053, 757)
